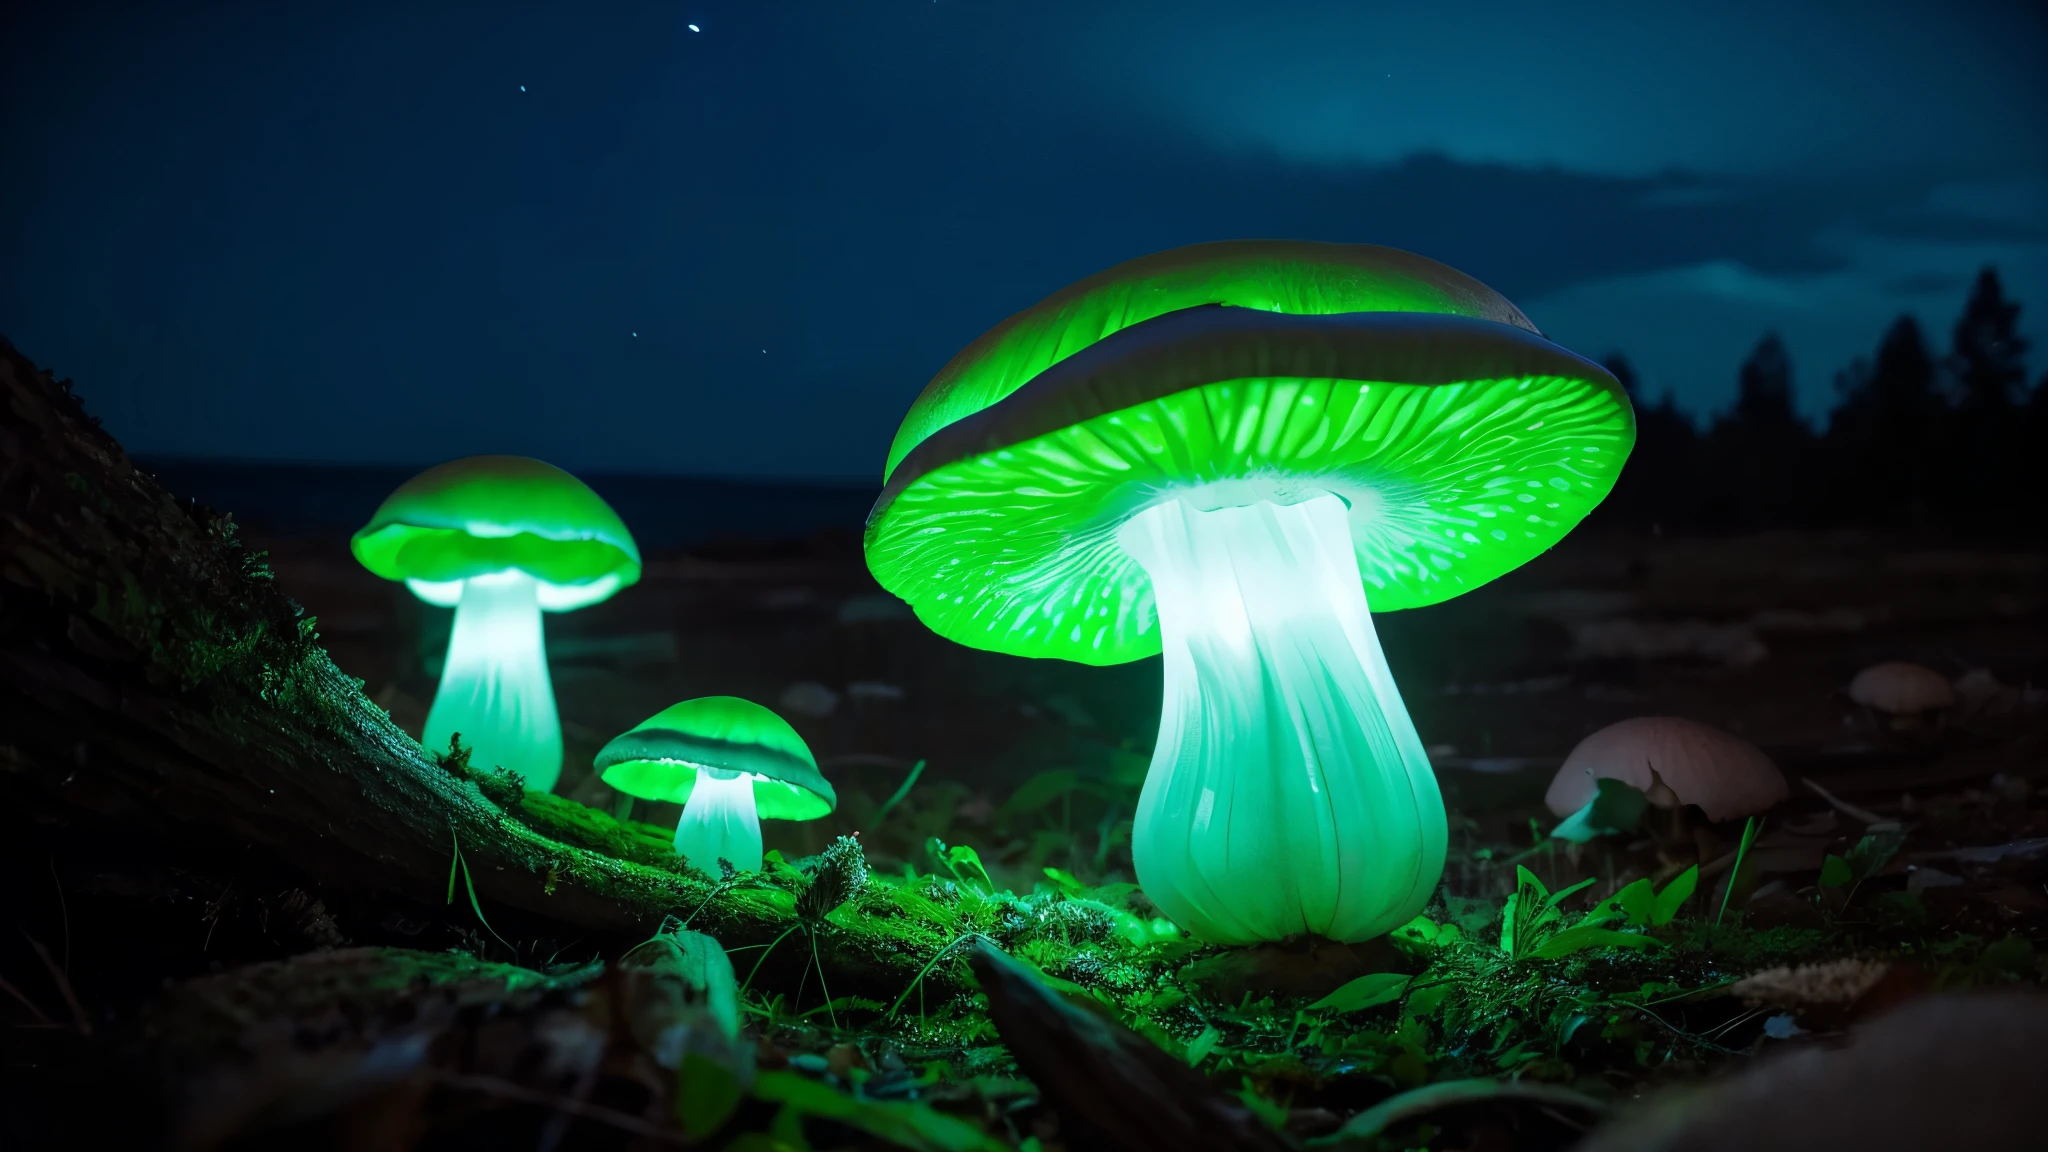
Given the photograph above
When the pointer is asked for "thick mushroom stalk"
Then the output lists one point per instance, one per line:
(495, 689)
(1288, 793)
(720, 822)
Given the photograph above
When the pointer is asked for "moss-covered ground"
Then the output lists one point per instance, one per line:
(1605, 1001)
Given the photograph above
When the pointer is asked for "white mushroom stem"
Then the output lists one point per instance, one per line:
(1289, 792)
(720, 822)
(495, 689)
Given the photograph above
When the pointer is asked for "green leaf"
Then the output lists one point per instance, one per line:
(1422, 935)
(1368, 991)
(963, 862)
(1066, 882)
(1040, 791)
(1200, 1047)
(707, 1093)
(1275, 1115)
(1424, 1002)
(1526, 915)
(1557, 898)
(1835, 873)
(903, 1122)
(1876, 849)
(1616, 807)
(1580, 937)
(1634, 904)
(1674, 896)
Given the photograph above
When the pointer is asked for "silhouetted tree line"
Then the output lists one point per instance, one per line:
(1951, 444)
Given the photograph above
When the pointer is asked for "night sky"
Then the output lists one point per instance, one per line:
(409, 232)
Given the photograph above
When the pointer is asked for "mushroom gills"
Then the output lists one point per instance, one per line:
(1289, 792)
(720, 822)
(495, 689)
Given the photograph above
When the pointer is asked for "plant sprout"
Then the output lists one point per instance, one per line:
(1125, 470)
(731, 764)
(500, 539)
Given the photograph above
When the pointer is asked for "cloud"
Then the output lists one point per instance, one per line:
(1595, 85)
(1688, 327)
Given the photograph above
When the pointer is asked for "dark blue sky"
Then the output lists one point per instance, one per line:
(343, 231)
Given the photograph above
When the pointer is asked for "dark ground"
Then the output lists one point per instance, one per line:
(1755, 634)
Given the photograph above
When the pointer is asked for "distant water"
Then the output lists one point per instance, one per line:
(287, 500)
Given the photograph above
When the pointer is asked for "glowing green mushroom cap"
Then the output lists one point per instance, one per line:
(486, 514)
(1299, 277)
(1464, 447)
(660, 758)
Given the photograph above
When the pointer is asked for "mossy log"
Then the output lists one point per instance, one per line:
(159, 691)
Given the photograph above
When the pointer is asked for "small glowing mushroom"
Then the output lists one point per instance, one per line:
(1904, 694)
(500, 539)
(1128, 469)
(1674, 762)
(731, 764)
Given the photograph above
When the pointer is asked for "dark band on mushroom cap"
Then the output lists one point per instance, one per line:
(1298, 277)
(660, 758)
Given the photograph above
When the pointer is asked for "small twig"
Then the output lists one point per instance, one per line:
(612, 1117)
(926, 970)
(64, 988)
(725, 884)
(830, 1012)
(1843, 806)
(764, 958)
(1690, 993)
(42, 1019)
(63, 911)
(1724, 1029)
(213, 912)
(1683, 1034)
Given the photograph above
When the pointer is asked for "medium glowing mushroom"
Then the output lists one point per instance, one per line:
(1674, 762)
(731, 764)
(500, 539)
(1124, 470)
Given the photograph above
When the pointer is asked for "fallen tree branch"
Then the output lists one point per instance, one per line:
(160, 691)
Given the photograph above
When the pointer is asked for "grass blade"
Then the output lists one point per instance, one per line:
(1749, 831)
(474, 904)
(896, 798)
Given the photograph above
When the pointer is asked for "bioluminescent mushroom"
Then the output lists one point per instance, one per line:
(500, 539)
(1125, 470)
(1674, 762)
(731, 764)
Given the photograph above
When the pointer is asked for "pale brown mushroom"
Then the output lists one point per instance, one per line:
(1672, 761)
(1897, 688)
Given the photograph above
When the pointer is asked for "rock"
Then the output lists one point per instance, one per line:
(1954, 1071)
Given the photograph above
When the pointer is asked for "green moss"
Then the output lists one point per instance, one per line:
(561, 818)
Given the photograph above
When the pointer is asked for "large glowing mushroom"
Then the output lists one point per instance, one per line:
(1122, 471)
(731, 764)
(500, 539)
